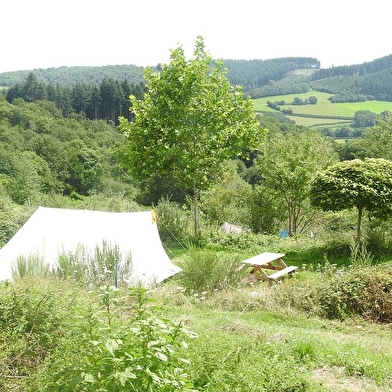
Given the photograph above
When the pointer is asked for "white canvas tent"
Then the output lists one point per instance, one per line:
(52, 231)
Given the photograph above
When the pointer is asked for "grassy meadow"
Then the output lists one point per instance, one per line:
(324, 108)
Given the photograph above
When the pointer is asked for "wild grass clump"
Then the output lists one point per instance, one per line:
(31, 265)
(206, 270)
(360, 255)
(105, 264)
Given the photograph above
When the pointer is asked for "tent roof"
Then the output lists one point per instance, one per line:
(52, 231)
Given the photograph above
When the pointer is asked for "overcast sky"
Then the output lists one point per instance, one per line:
(53, 33)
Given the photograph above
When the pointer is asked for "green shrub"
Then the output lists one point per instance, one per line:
(378, 238)
(365, 292)
(238, 242)
(204, 270)
(175, 222)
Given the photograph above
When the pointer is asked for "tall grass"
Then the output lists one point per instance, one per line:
(30, 266)
(204, 270)
(104, 265)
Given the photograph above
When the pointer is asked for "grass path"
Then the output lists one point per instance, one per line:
(326, 355)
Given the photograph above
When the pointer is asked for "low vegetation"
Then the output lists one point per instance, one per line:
(208, 328)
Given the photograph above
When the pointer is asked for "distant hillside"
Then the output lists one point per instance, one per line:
(259, 78)
(355, 83)
(250, 74)
(70, 76)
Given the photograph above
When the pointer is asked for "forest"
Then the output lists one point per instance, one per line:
(258, 78)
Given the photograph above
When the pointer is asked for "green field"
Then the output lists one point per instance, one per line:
(329, 112)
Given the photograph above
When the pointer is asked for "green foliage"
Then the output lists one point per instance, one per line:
(218, 125)
(360, 184)
(266, 210)
(376, 141)
(43, 153)
(288, 164)
(123, 345)
(226, 200)
(205, 270)
(85, 167)
(32, 318)
(190, 107)
(236, 242)
(12, 217)
(365, 292)
(105, 265)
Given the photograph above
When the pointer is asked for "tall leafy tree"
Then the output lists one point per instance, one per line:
(190, 121)
(287, 165)
(377, 141)
(361, 184)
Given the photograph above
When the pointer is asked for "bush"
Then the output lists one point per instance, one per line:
(174, 222)
(204, 270)
(364, 292)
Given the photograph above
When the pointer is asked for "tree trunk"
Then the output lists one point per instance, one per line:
(359, 222)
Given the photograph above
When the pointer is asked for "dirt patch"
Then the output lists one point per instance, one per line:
(335, 379)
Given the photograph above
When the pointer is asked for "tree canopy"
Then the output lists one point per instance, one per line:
(288, 163)
(190, 121)
(361, 184)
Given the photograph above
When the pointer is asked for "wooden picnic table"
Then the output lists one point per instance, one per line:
(266, 262)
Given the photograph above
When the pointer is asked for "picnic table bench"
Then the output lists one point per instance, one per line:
(262, 264)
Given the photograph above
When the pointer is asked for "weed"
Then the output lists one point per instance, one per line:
(137, 352)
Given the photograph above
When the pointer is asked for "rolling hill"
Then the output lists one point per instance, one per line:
(340, 91)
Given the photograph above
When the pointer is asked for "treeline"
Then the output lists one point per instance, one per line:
(107, 101)
(253, 74)
(356, 83)
(69, 76)
(354, 70)
(377, 85)
(69, 86)
(291, 84)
